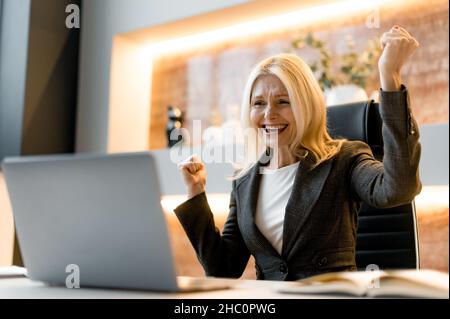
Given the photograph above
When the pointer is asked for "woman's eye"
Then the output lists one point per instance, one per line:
(258, 103)
(284, 102)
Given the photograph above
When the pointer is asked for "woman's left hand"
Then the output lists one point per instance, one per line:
(397, 45)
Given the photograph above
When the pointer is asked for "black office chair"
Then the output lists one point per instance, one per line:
(385, 237)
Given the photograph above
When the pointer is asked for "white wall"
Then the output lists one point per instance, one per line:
(435, 154)
(14, 25)
(100, 21)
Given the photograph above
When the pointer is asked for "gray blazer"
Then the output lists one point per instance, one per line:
(319, 233)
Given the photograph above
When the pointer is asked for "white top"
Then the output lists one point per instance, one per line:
(274, 192)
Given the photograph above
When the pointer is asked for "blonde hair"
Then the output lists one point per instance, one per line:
(308, 106)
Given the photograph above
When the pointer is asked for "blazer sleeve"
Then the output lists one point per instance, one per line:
(395, 181)
(221, 255)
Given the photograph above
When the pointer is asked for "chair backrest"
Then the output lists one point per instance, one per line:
(388, 237)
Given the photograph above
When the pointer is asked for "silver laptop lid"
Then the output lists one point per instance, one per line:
(101, 213)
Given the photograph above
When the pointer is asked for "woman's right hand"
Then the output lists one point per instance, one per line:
(193, 173)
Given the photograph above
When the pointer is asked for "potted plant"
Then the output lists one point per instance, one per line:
(355, 69)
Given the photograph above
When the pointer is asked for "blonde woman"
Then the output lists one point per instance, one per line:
(304, 212)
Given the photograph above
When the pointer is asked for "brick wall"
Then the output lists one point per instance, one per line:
(211, 78)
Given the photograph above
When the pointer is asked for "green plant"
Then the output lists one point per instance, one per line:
(322, 67)
(355, 67)
(358, 67)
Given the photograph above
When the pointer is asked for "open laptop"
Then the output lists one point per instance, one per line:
(98, 215)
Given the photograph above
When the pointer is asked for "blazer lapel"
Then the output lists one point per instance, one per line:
(307, 187)
(248, 194)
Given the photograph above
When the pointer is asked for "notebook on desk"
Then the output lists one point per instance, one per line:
(393, 283)
(95, 220)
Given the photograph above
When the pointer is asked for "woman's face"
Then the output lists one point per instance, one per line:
(270, 109)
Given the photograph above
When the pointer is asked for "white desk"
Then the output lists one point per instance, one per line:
(23, 288)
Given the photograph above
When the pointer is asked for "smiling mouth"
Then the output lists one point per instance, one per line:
(271, 129)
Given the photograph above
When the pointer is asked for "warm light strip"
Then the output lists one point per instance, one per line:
(218, 202)
(432, 197)
(265, 25)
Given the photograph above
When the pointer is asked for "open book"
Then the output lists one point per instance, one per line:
(394, 283)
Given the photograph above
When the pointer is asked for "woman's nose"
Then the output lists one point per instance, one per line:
(269, 112)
